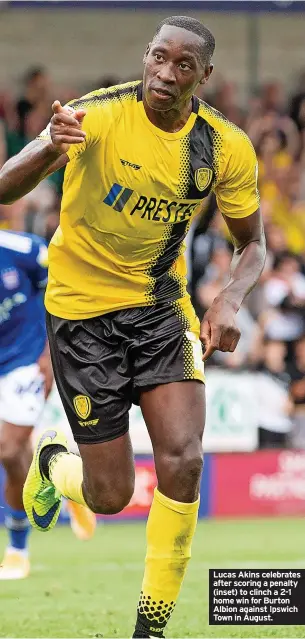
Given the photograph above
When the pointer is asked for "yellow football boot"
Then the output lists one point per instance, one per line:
(42, 502)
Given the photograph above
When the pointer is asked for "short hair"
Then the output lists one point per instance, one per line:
(193, 25)
(33, 73)
(283, 257)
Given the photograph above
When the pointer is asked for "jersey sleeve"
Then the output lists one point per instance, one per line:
(236, 192)
(35, 261)
(95, 123)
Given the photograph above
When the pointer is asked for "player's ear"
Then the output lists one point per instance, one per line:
(146, 52)
(207, 72)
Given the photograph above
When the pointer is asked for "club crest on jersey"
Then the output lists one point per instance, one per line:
(203, 178)
(82, 405)
(10, 278)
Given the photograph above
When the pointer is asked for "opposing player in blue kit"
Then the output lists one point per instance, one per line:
(25, 382)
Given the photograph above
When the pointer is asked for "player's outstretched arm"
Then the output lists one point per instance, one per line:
(40, 158)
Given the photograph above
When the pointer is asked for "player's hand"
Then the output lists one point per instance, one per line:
(65, 127)
(45, 366)
(218, 330)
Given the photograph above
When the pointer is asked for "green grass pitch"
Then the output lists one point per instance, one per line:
(91, 589)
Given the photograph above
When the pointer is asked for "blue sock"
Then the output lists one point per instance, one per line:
(18, 527)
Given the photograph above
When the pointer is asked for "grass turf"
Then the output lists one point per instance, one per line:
(91, 589)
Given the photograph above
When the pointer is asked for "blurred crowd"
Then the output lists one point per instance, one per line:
(272, 320)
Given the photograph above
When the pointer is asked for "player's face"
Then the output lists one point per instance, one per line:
(173, 68)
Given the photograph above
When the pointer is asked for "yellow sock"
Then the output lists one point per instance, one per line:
(170, 530)
(66, 473)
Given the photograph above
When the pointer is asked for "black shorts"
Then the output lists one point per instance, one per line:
(102, 364)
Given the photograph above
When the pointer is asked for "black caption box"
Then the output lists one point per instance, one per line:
(264, 597)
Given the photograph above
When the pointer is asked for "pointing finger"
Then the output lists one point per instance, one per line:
(208, 352)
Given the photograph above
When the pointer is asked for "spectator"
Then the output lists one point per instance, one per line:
(273, 402)
(297, 392)
(284, 294)
(282, 205)
(273, 97)
(297, 103)
(225, 99)
(31, 112)
(107, 81)
(201, 240)
(36, 94)
(259, 124)
(272, 151)
(216, 277)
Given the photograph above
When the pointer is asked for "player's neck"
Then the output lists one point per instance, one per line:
(170, 121)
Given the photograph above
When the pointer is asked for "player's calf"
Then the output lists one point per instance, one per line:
(170, 531)
(174, 414)
(15, 457)
(102, 478)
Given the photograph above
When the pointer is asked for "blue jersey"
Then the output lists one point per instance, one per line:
(23, 276)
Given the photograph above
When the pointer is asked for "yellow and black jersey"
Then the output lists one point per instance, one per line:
(130, 193)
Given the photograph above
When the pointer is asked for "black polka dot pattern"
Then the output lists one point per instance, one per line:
(119, 93)
(149, 295)
(188, 352)
(184, 168)
(218, 137)
(157, 611)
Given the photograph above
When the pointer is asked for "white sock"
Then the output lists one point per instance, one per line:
(11, 550)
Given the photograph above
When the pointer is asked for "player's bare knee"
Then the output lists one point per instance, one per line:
(117, 502)
(14, 444)
(191, 464)
(108, 504)
(186, 454)
(104, 498)
(10, 454)
(179, 471)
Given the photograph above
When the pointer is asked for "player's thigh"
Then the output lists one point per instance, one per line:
(22, 397)
(169, 376)
(91, 373)
(175, 416)
(14, 437)
(92, 377)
